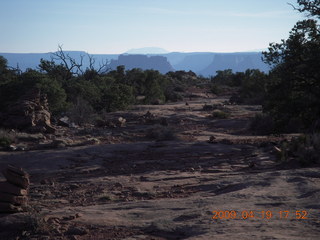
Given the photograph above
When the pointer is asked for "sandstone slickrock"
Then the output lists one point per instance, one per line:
(14, 191)
(30, 113)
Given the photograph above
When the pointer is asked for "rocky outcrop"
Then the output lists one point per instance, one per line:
(29, 113)
(14, 191)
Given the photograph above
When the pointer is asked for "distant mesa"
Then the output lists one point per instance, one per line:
(144, 62)
(202, 63)
(238, 62)
(147, 50)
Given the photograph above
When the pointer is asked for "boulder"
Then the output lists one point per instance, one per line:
(64, 121)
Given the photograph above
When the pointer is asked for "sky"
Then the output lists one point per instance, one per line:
(115, 26)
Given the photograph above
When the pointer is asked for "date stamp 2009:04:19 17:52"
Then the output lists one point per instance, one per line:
(250, 214)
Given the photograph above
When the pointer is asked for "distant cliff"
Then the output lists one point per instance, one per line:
(144, 62)
(238, 62)
(206, 63)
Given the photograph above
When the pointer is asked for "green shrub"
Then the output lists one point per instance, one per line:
(6, 138)
(219, 114)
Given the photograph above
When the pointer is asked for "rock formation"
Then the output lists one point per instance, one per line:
(14, 191)
(29, 113)
(144, 62)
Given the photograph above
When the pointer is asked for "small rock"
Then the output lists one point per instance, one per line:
(142, 178)
(21, 148)
(121, 121)
(64, 121)
(212, 139)
(59, 143)
(92, 141)
(12, 148)
(47, 182)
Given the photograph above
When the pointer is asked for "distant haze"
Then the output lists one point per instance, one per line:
(147, 50)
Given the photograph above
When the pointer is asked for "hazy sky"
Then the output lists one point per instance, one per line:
(114, 26)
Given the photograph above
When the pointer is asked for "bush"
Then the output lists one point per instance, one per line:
(293, 88)
(208, 107)
(220, 114)
(161, 133)
(262, 124)
(81, 112)
(6, 138)
(215, 89)
(117, 97)
(305, 150)
(213, 107)
(173, 96)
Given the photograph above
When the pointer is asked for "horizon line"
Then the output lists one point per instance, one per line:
(169, 52)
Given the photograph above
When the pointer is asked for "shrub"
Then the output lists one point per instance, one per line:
(117, 97)
(161, 133)
(220, 114)
(208, 107)
(215, 89)
(213, 107)
(6, 138)
(81, 112)
(304, 150)
(262, 124)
